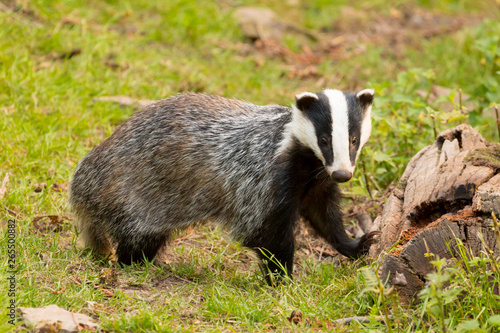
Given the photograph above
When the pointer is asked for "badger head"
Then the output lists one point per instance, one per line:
(335, 126)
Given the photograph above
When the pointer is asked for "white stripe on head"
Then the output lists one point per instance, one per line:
(366, 124)
(340, 132)
(366, 127)
(303, 129)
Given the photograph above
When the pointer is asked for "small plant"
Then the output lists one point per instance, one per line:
(387, 301)
(463, 296)
(436, 297)
(460, 295)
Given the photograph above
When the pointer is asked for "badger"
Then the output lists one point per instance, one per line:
(255, 169)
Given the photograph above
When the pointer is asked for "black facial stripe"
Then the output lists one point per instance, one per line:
(320, 115)
(356, 113)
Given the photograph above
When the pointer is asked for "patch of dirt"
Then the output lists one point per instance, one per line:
(136, 292)
(14, 8)
(353, 30)
(406, 26)
(309, 245)
(167, 283)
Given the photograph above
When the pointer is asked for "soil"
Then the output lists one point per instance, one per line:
(354, 30)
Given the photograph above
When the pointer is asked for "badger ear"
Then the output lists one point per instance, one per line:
(304, 100)
(366, 96)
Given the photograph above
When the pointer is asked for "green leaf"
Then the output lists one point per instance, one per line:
(468, 326)
(381, 157)
(454, 118)
(494, 320)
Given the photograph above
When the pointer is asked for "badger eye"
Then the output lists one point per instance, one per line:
(354, 141)
(324, 142)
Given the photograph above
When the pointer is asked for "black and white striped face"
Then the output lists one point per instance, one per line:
(335, 126)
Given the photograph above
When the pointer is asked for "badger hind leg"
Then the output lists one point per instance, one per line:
(94, 237)
(139, 247)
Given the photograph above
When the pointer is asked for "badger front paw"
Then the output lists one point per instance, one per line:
(366, 241)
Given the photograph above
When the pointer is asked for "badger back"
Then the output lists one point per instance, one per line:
(188, 158)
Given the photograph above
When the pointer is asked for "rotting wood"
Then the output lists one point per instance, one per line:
(447, 192)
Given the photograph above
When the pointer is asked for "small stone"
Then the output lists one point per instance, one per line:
(399, 279)
(52, 316)
(258, 23)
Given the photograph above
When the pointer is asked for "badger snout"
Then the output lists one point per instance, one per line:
(341, 176)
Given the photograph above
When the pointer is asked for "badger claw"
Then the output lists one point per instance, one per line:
(367, 240)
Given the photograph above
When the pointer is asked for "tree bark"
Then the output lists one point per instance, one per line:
(447, 193)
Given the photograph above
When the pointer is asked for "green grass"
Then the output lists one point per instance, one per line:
(153, 49)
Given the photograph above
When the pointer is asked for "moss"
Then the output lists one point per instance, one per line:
(402, 183)
(489, 156)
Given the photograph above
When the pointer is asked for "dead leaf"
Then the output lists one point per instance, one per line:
(70, 54)
(395, 13)
(82, 326)
(324, 251)
(114, 65)
(59, 187)
(75, 279)
(438, 97)
(39, 187)
(107, 292)
(95, 308)
(46, 223)
(295, 317)
(53, 218)
(269, 326)
(109, 277)
(57, 292)
(8, 109)
(42, 65)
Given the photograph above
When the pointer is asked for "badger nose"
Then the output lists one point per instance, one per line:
(341, 176)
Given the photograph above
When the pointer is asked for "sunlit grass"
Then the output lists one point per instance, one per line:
(56, 57)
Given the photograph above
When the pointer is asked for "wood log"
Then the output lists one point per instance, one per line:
(447, 193)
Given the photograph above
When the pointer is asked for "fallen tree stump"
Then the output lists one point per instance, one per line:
(447, 192)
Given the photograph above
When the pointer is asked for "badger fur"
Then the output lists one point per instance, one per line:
(197, 157)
